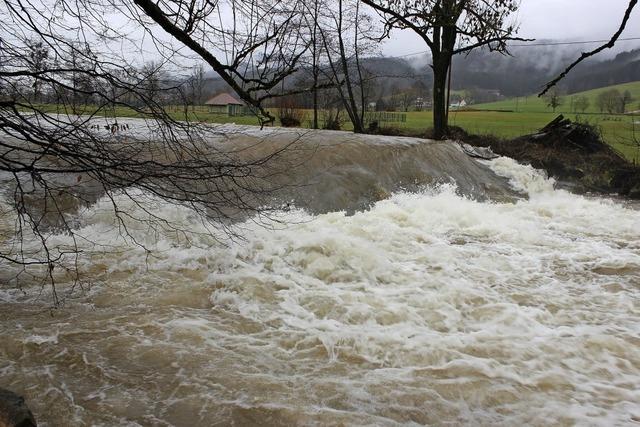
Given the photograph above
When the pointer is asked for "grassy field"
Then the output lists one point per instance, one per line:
(617, 130)
(533, 104)
(525, 114)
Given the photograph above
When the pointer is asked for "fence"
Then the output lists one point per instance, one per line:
(383, 116)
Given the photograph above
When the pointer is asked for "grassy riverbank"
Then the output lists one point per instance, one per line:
(620, 131)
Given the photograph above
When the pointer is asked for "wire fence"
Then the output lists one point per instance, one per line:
(384, 117)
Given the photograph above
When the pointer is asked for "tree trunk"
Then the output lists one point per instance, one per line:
(440, 68)
(315, 99)
(351, 106)
(444, 40)
(315, 66)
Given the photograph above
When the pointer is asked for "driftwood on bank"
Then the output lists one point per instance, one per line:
(573, 153)
(563, 134)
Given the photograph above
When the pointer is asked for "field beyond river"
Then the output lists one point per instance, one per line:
(622, 132)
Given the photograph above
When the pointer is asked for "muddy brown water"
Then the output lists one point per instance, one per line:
(428, 308)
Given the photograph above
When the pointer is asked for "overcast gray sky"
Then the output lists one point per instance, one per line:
(552, 19)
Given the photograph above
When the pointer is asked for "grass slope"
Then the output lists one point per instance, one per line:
(620, 131)
(533, 104)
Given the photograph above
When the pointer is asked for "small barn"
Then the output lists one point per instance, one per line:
(225, 103)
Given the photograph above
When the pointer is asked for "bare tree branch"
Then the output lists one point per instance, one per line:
(585, 55)
(68, 75)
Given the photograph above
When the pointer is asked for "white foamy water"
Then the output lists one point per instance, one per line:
(427, 309)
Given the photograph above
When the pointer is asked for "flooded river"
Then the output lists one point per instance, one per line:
(429, 308)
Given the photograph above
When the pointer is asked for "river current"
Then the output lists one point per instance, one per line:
(429, 308)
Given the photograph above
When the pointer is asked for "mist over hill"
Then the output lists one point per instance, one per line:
(529, 68)
(523, 72)
(624, 68)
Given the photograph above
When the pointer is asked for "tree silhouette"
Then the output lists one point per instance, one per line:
(450, 27)
(62, 145)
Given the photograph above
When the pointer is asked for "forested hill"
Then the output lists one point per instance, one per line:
(624, 68)
(523, 72)
(529, 68)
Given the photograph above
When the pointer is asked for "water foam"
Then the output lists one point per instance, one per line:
(429, 308)
(523, 178)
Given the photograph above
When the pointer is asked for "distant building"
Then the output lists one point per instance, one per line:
(225, 103)
(372, 106)
(422, 103)
(460, 104)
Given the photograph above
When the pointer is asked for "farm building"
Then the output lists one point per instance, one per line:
(459, 104)
(225, 103)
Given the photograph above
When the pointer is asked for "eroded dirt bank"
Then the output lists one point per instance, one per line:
(572, 153)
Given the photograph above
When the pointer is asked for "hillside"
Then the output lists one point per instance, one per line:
(521, 73)
(533, 104)
(528, 69)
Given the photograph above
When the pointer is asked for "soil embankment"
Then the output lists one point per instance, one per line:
(572, 153)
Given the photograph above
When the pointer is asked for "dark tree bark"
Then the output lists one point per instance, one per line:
(440, 69)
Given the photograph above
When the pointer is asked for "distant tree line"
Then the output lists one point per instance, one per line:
(81, 90)
(613, 101)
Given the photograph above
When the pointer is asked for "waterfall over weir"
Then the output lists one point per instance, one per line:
(328, 171)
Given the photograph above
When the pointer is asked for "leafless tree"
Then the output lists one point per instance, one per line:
(37, 61)
(581, 103)
(610, 101)
(346, 36)
(450, 27)
(554, 99)
(312, 22)
(196, 84)
(261, 42)
(55, 157)
(407, 99)
(625, 100)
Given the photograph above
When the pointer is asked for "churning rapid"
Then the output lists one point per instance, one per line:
(430, 307)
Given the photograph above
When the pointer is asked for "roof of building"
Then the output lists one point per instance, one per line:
(223, 99)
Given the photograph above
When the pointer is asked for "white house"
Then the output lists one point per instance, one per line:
(457, 105)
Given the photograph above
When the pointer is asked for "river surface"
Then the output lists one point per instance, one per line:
(429, 308)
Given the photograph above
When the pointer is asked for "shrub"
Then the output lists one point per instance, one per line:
(332, 119)
(288, 113)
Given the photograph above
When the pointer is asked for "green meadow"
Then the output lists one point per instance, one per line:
(534, 104)
(617, 130)
(507, 119)
(517, 116)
